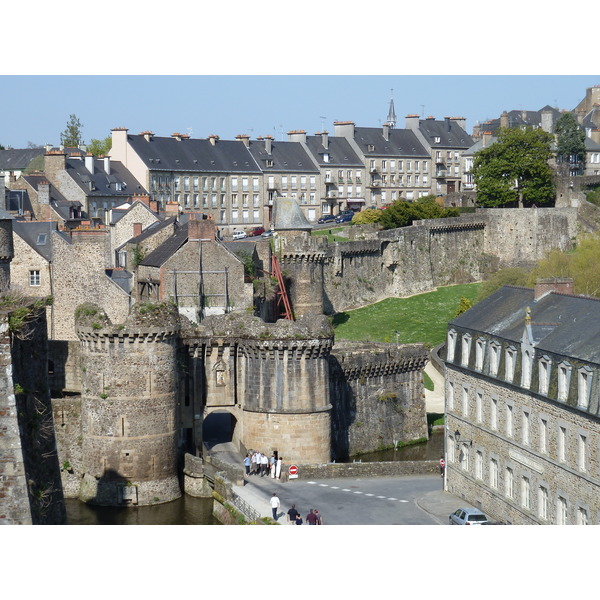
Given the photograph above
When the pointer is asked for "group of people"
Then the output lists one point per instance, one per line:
(258, 463)
(312, 518)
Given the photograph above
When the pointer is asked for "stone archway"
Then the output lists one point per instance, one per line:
(218, 427)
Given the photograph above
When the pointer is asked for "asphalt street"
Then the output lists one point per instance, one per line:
(347, 501)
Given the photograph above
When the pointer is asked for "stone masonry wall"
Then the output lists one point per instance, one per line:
(416, 259)
(129, 413)
(79, 272)
(533, 455)
(377, 396)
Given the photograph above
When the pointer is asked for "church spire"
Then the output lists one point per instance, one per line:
(391, 118)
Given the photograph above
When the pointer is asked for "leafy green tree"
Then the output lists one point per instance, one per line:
(100, 147)
(511, 276)
(402, 213)
(570, 145)
(369, 215)
(514, 171)
(71, 136)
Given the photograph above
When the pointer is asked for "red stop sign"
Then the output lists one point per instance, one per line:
(293, 470)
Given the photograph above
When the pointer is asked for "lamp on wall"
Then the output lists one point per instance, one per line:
(459, 441)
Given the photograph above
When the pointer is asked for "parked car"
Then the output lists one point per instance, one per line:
(267, 234)
(326, 219)
(256, 231)
(468, 516)
(239, 235)
(344, 218)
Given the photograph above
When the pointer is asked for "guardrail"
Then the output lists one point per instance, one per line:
(244, 508)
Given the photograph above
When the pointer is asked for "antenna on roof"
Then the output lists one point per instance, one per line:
(189, 130)
(322, 123)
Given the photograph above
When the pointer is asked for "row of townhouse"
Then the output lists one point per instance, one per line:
(522, 405)
(237, 181)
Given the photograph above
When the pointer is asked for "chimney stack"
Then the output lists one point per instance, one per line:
(386, 132)
(106, 160)
(560, 285)
(244, 138)
(89, 162)
(213, 139)
(201, 227)
(268, 144)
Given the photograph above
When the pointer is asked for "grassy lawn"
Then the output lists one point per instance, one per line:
(423, 318)
(330, 233)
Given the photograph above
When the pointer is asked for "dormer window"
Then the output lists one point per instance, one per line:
(583, 387)
(466, 349)
(326, 157)
(451, 344)
(544, 374)
(269, 162)
(479, 353)
(494, 358)
(527, 364)
(564, 380)
(437, 139)
(509, 370)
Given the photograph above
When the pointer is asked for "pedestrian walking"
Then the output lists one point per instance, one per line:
(292, 514)
(275, 504)
(319, 517)
(247, 464)
(311, 518)
(299, 519)
(255, 464)
(272, 466)
(442, 466)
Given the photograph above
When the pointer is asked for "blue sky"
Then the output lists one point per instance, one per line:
(266, 68)
(36, 107)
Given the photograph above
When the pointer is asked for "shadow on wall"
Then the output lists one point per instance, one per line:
(343, 412)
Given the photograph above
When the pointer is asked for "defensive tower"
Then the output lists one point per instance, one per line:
(129, 406)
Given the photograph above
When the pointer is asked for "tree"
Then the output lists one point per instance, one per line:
(100, 147)
(71, 136)
(367, 216)
(402, 213)
(570, 145)
(514, 171)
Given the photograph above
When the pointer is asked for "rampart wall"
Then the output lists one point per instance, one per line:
(416, 259)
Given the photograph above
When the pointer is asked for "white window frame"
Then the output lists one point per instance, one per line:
(543, 502)
(452, 335)
(584, 384)
(564, 380)
(494, 358)
(35, 278)
(494, 473)
(509, 478)
(525, 492)
(526, 428)
(465, 349)
(527, 364)
(509, 364)
(479, 354)
(544, 372)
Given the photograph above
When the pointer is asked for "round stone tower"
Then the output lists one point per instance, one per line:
(284, 389)
(129, 406)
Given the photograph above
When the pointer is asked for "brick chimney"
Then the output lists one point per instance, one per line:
(137, 229)
(201, 227)
(245, 138)
(172, 209)
(54, 161)
(560, 285)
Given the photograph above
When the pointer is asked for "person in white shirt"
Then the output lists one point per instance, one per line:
(275, 504)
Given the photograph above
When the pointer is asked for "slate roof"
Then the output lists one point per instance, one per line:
(402, 142)
(341, 153)
(150, 231)
(160, 255)
(104, 184)
(162, 153)
(561, 324)
(288, 157)
(520, 118)
(38, 234)
(288, 215)
(450, 133)
(121, 277)
(18, 159)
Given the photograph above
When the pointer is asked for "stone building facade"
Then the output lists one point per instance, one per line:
(522, 406)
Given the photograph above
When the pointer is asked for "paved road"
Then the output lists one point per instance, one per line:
(347, 501)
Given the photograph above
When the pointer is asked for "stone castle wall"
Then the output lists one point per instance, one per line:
(129, 415)
(377, 396)
(416, 259)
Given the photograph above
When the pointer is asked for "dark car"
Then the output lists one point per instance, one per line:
(326, 219)
(256, 231)
(344, 218)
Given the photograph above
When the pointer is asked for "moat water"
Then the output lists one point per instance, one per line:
(198, 511)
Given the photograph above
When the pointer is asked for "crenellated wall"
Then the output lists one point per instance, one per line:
(417, 259)
(377, 396)
(129, 417)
